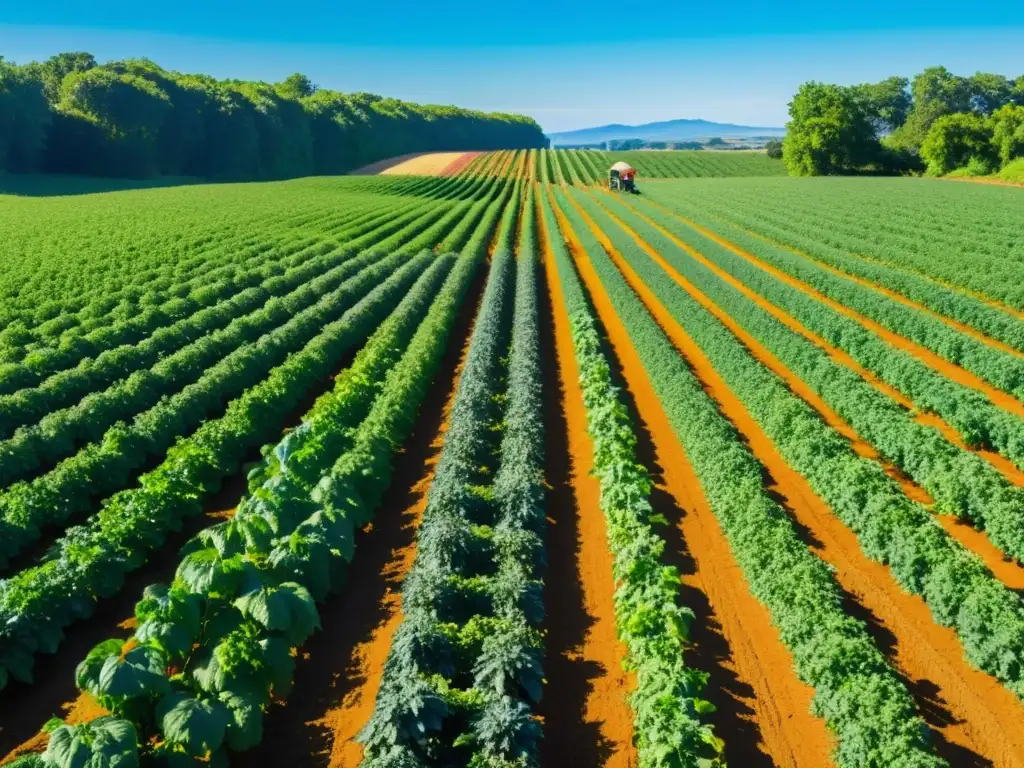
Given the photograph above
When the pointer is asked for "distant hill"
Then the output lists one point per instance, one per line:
(667, 130)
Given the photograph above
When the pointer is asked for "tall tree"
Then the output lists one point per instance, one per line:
(988, 92)
(828, 132)
(24, 119)
(1008, 132)
(887, 103)
(955, 140)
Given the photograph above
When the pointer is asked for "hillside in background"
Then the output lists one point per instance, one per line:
(667, 130)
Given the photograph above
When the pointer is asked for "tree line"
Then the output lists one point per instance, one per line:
(132, 118)
(937, 121)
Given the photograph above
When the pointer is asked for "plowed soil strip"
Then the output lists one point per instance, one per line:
(339, 669)
(943, 366)
(587, 720)
(894, 295)
(456, 167)
(1007, 571)
(754, 670)
(998, 461)
(972, 716)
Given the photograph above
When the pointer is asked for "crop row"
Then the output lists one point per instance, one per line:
(960, 592)
(964, 237)
(995, 366)
(961, 482)
(167, 260)
(649, 619)
(90, 561)
(973, 415)
(260, 574)
(838, 250)
(465, 663)
(856, 692)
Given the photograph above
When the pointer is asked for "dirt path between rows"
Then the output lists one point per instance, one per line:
(587, 720)
(763, 708)
(339, 669)
(1005, 569)
(998, 461)
(972, 717)
(949, 370)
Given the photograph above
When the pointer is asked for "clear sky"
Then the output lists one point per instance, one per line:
(569, 65)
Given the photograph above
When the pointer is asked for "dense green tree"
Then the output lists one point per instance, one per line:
(1008, 132)
(828, 132)
(773, 148)
(887, 103)
(296, 86)
(24, 119)
(133, 118)
(936, 92)
(957, 139)
(989, 92)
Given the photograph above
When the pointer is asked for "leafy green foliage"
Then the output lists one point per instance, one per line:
(649, 617)
(135, 119)
(833, 653)
(954, 140)
(829, 131)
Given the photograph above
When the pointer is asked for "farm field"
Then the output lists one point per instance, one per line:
(478, 463)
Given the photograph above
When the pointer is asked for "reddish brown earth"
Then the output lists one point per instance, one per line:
(339, 670)
(970, 714)
(587, 720)
(1011, 573)
(999, 462)
(764, 709)
(458, 165)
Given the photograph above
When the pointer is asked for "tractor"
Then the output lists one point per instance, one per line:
(620, 178)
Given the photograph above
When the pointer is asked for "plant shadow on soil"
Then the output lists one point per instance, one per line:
(296, 731)
(568, 738)
(26, 707)
(734, 720)
(924, 692)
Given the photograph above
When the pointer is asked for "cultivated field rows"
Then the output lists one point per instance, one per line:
(504, 469)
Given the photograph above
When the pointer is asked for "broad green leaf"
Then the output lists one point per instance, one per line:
(198, 725)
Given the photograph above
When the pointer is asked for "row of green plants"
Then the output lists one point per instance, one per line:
(999, 368)
(217, 641)
(133, 268)
(791, 229)
(106, 464)
(958, 235)
(961, 483)
(124, 268)
(464, 669)
(857, 693)
(90, 561)
(669, 713)
(925, 560)
(39, 360)
(218, 364)
(155, 357)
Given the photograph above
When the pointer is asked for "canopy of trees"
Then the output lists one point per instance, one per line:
(132, 118)
(933, 120)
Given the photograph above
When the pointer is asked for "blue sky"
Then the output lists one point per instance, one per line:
(567, 65)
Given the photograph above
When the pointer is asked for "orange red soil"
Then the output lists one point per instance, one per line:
(1009, 572)
(763, 708)
(339, 670)
(999, 462)
(971, 715)
(587, 720)
(946, 368)
(458, 165)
